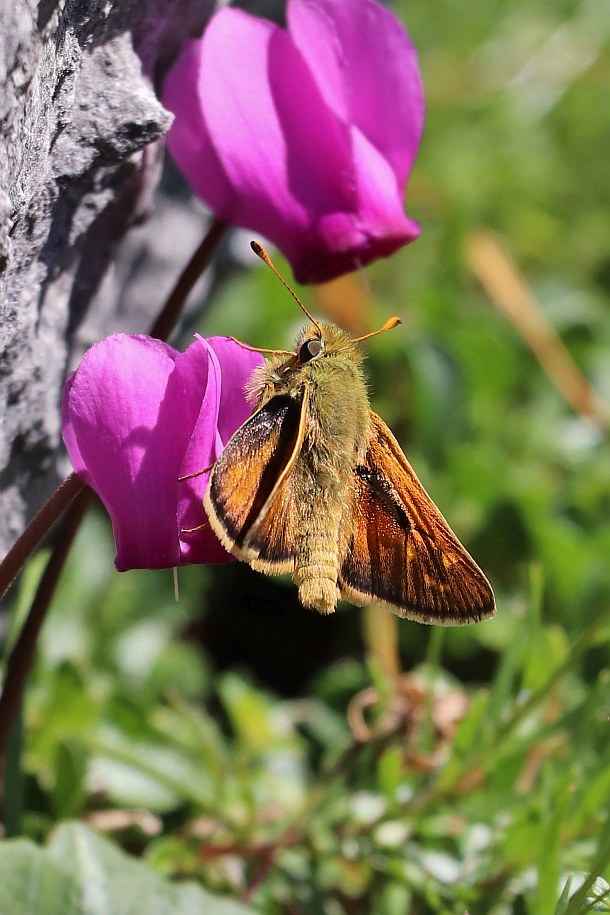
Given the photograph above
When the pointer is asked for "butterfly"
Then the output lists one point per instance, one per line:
(314, 483)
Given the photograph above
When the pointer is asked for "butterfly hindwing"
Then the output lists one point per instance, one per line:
(400, 550)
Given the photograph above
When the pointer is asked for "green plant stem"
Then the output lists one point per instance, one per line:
(13, 780)
(433, 665)
(73, 492)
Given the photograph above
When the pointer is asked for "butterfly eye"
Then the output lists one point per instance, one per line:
(310, 349)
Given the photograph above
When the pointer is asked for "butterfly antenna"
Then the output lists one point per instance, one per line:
(392, 322)
(260, 252)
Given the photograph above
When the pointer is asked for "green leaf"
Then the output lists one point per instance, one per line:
(562, 902)
(69, 790)
(81, 873)
(550, 848)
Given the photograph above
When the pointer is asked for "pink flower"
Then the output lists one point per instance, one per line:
(306, 134)
(137, 414)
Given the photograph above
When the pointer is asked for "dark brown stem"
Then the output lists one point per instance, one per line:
(267, 858)
(169, 314)
(20, 552)
(22, 653)
(72, 489)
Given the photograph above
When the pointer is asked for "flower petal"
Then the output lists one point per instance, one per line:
(366, 66)
(377, 228)
(237, 364)
(127, 419)
(188, 139)
(218, 368)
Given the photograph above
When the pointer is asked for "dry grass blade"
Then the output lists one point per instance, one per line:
(508, 289)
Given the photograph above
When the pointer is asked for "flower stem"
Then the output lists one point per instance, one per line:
(22, 653)
(23, 548)
(169, 314)
(74, 493)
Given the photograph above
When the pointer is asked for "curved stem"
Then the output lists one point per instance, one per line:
(40, 524)
(169, 314)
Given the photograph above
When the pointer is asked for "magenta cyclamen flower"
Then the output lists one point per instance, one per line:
(306, 134)
(137, 415)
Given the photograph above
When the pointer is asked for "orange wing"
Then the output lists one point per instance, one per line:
(401, 551)
(249, 501)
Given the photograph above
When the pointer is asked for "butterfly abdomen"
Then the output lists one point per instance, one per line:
(317, 582)
(316, 555)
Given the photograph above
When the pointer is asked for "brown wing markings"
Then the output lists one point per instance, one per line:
(248, 480)
(402, 551)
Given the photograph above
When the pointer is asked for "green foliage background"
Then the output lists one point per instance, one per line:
(210, 737)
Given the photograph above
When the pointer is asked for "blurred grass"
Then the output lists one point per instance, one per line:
(229, 716)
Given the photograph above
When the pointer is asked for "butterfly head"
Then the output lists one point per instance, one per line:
(322, 341)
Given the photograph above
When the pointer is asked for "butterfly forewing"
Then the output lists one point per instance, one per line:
(400, 549)
(248, 502)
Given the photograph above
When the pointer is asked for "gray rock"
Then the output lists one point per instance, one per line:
(80, 160)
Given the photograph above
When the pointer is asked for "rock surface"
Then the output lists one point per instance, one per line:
(80, 160)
